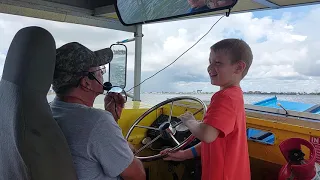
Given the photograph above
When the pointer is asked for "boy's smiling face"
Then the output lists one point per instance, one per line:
(222, 71)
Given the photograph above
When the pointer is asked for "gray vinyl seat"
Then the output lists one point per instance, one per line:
(32, 146)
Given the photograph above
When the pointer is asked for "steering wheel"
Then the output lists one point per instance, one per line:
(166, 128)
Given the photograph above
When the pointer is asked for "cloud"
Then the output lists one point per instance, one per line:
(285, 48)
(281, 55)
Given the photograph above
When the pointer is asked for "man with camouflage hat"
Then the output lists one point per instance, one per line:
(97, 145)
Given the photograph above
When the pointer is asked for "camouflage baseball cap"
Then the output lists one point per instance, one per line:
(73, 59)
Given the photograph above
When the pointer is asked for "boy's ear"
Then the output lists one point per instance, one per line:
(241, 66)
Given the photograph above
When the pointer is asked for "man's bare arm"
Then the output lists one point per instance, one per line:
(135, 171)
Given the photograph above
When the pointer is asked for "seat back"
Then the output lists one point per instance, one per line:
(32, 144)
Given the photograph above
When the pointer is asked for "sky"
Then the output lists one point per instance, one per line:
(285, 45)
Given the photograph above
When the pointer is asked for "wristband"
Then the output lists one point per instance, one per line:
(194, 152)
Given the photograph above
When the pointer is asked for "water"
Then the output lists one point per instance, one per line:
(248, 98)
(153, 99)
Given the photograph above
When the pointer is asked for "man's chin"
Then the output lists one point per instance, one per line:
(99, 93)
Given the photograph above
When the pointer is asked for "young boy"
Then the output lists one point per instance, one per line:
(223, 148)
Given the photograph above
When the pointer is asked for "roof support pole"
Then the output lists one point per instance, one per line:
(137, 62)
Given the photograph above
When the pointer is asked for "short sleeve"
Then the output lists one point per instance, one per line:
(221, 114)
(108, 147)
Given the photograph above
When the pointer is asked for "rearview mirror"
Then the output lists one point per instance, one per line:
(118, 66)
(132, 12)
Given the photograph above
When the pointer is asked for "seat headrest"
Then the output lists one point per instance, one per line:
(30, 61)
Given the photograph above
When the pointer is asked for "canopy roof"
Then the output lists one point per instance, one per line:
(101, 13)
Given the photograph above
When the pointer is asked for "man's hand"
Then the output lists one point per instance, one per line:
(114, 103)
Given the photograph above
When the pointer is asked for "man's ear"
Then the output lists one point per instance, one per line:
(85, 84)
(240, 67)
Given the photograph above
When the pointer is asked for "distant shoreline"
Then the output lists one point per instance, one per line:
(283, 93)
(256, 93)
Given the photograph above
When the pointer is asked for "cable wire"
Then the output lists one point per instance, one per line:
(179, 56)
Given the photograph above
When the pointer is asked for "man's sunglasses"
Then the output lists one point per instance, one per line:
(102, 69)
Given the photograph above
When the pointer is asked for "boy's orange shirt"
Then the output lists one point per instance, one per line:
(227, 157)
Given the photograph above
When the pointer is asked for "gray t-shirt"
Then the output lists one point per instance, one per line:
(97, 145)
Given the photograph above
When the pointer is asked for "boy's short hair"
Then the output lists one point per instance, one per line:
(237, 49)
